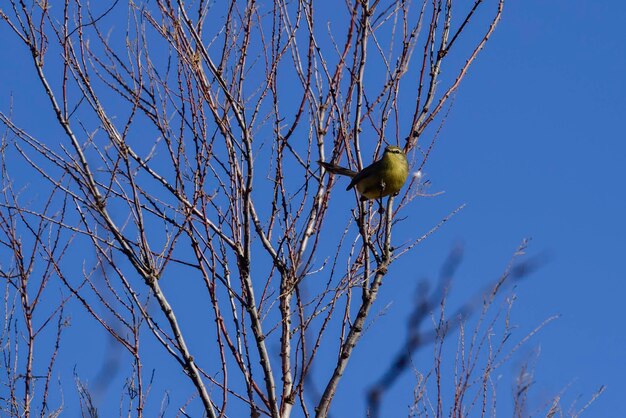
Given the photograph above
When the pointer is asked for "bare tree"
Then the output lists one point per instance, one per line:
(187, 160)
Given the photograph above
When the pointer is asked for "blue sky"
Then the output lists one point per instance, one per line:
(535, 146)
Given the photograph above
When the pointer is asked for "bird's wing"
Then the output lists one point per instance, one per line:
(363, 174)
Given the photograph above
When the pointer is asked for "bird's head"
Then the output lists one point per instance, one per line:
(392, 149)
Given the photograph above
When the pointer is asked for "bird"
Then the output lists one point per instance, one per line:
(382, 178)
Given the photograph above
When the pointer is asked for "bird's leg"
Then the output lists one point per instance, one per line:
(381, 210)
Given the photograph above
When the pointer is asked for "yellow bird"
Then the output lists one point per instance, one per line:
(379, 179)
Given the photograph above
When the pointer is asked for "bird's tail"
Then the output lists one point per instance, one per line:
(335, 169)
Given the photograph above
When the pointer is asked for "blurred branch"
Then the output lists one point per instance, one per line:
(428, 302)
